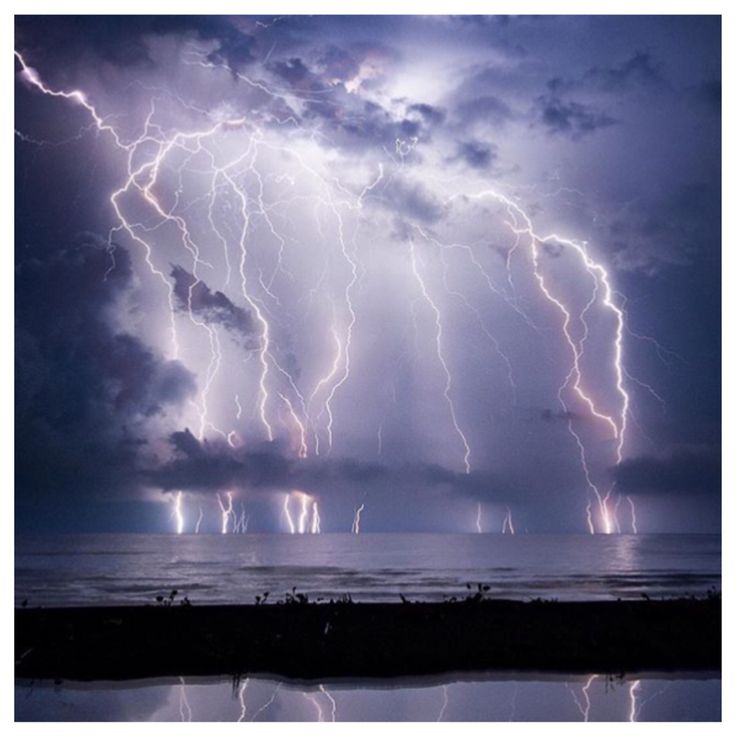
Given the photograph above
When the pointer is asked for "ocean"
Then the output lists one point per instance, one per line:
(132, 569)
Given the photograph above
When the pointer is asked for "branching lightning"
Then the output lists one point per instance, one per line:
(227, 511)
(238, 184)
(308, 520)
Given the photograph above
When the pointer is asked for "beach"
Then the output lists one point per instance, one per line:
(314, 641)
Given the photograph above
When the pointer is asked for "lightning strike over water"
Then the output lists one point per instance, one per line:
(316, 522)
(245, 177)
(508, 523)
(355, 529)
(303, 516)
(227, 511)
(178, 513)
(287, 515)
(601, 283)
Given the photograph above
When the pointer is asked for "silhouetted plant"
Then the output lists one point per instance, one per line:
(168, 601)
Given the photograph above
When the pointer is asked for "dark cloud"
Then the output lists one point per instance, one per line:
(211, 306)
(686, 471)
(361, 126)
(293, 71)
(429, 113)
(123, 41)
(569, 118)
(85, 391)
(484, 108)
(673, 230)
(338, 64)
(476, 154)
(349, 121)
(709, 93)
(550, 415)
(638, 70)
(411, 199)
(208, 467)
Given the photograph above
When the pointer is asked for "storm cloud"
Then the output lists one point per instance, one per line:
(208, 467)
(684, 471)
(84, 391)
(213, 307)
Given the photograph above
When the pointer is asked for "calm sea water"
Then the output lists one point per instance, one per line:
(134, 568)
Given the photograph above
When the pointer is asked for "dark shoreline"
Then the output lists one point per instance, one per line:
(366, 640)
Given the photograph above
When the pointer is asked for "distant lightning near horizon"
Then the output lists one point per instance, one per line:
(246, 208)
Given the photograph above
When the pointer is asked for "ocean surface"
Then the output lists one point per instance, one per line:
(129, 569)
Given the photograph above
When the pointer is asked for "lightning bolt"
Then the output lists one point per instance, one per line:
(508, 523)
(227, 511)
(241, 698)
(185, 710)
(287, 514)
(308, 520)
(333, 704)
(178, 513)
(304, 515)
(633, 704)
(584, 707)
(445, 701)
(268, 703)
(440, 356)
(520, 223)
(312, 698)
(315, 527)
(355, 529)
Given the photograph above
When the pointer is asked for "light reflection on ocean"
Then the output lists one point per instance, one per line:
(502, 697)
(134, 568)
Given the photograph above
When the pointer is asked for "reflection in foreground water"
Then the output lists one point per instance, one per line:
(506, 697)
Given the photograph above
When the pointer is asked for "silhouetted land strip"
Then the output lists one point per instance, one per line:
(317, 641)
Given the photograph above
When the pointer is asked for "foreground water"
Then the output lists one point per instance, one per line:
(507, 697)
(109, 569)
(134, 569)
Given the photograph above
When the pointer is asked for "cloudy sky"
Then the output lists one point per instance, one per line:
(449, 270)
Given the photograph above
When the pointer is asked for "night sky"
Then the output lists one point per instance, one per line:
(453, 271)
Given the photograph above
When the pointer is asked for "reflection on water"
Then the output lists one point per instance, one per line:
(108, 569)
(501, 697)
